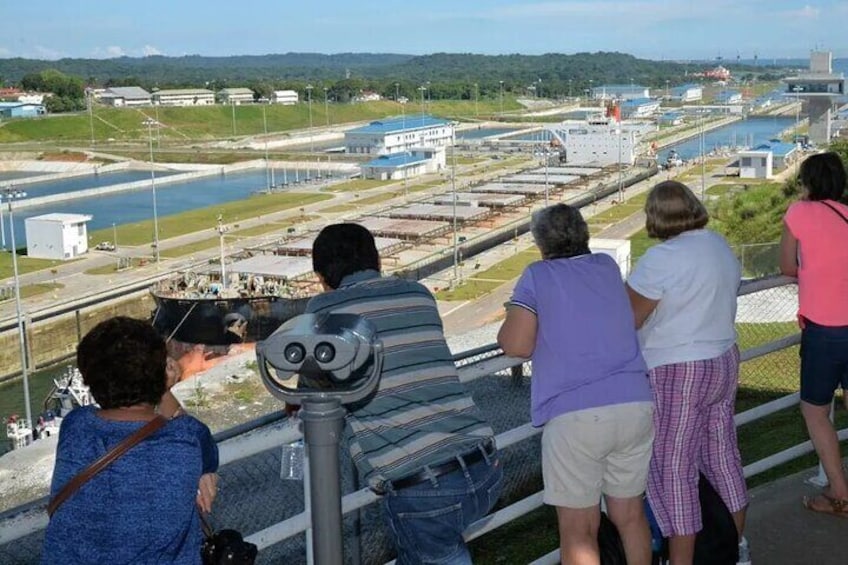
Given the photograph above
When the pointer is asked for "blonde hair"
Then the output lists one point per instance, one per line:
(671, 209)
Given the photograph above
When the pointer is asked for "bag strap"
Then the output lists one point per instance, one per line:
(835, 211)
(104, 461)
(208, 531)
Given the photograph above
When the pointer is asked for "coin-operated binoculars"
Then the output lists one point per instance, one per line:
(323, 362)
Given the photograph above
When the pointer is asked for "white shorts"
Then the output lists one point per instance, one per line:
(597, 451)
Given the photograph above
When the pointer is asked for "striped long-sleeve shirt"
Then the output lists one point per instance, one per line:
(421, 414)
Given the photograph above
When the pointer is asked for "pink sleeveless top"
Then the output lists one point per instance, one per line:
(823, 260)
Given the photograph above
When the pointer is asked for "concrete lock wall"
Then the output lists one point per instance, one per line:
(55, 339)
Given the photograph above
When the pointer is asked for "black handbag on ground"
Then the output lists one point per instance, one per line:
(609, 543)
(225, 547)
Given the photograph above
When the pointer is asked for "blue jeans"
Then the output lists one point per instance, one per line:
(426, 520)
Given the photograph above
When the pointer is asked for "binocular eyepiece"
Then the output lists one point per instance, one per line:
(321, 355)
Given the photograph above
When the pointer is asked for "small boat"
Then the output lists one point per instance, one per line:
(673, 160)
(68, 393)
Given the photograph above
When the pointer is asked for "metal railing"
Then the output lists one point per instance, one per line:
(766, 331)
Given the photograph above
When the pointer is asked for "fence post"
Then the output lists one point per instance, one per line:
(820, 478)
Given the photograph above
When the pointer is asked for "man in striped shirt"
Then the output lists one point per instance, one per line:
(420, 441)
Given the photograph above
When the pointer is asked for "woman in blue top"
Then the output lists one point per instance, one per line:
(143, 508)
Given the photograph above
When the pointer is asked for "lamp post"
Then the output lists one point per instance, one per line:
(501, 97)
(269, 180)
(8, 195)
(115, 236)
(569, 88)
(233, 105)
(221, 231)
(453, 189)
(150, 123)
(326, 106)
(703, 158)
(667, 92)
(309, 99)
(476, 100)
(88, 94)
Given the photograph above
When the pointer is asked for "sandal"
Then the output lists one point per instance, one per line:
(827, 505)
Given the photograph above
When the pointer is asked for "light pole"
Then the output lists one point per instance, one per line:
(8, 195)
(88, 99)
(501, 97)
(268, 175)
(115, 236)
(233, 104)
(667, 92)
(309, 98)
(476, 100)
(326, 106)
(453, 189)
(703, 158)
(569, 88)
(149, 123)
(221, 231)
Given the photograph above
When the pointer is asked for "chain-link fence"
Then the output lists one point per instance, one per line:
(253, 496)
(758, 259)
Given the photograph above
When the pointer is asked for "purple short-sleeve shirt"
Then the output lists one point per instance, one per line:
(587, 353)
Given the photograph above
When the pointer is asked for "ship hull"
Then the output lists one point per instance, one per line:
(223, 321)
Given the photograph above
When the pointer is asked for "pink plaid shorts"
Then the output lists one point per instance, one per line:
(693, 423)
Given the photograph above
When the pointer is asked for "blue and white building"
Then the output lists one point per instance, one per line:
(670, 119)
(728, 97)
(761, 161)
(686, 93)
(405, 165)
(21, 110)
(639, 107)
(620, 92)
(396, 135)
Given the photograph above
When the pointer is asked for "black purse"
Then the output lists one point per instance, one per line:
(225, 547)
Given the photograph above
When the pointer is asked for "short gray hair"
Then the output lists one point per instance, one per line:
(560, 231)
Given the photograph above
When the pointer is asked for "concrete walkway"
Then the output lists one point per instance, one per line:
(782, 532)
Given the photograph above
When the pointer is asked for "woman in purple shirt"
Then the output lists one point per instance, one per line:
(589, 390)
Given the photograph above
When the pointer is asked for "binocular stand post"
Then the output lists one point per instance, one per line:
(323, 422)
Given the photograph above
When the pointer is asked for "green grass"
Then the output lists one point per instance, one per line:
(112, 267)
(358, 184)
(481, 283)
(41, 288)
(469, 160)
(25, 264)
(139, 233)
(215, 122)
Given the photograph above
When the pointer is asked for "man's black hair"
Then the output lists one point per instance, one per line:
(341, 250)
(122, 360)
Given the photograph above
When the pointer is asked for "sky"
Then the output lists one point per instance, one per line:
(653, 29)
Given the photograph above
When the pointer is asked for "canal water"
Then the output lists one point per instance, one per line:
(746, 133)
(136, 205)
(12, 396)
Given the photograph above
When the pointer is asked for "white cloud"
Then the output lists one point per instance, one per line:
(807, 13)
(149, 50)
(115, 51)
(4, 52)
(42, 52)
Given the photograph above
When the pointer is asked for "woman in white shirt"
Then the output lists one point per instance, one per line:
(683, 293)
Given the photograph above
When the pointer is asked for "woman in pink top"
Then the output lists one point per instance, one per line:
(811, 250)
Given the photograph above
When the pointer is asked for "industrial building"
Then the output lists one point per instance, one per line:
(184, 97)
(235, 96)
(21, 110)
(820, 88)
(600, 140)
(686, 93)
(761, 161)
(728, 97)
(620, 92)
(284, 97)
(639, 107)
(57, 236)
(396, 135)
(126, 96)
(407, 164)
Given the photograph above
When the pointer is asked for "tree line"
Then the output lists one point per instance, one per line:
(452, 76)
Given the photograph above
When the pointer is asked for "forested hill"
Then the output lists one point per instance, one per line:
(516, 71)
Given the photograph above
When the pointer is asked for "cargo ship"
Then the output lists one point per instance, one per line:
(243, 304)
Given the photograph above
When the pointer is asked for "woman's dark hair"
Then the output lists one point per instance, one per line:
(671, 209)
(122, 360)
(560, 231)
(823, 177)
(341, 250)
